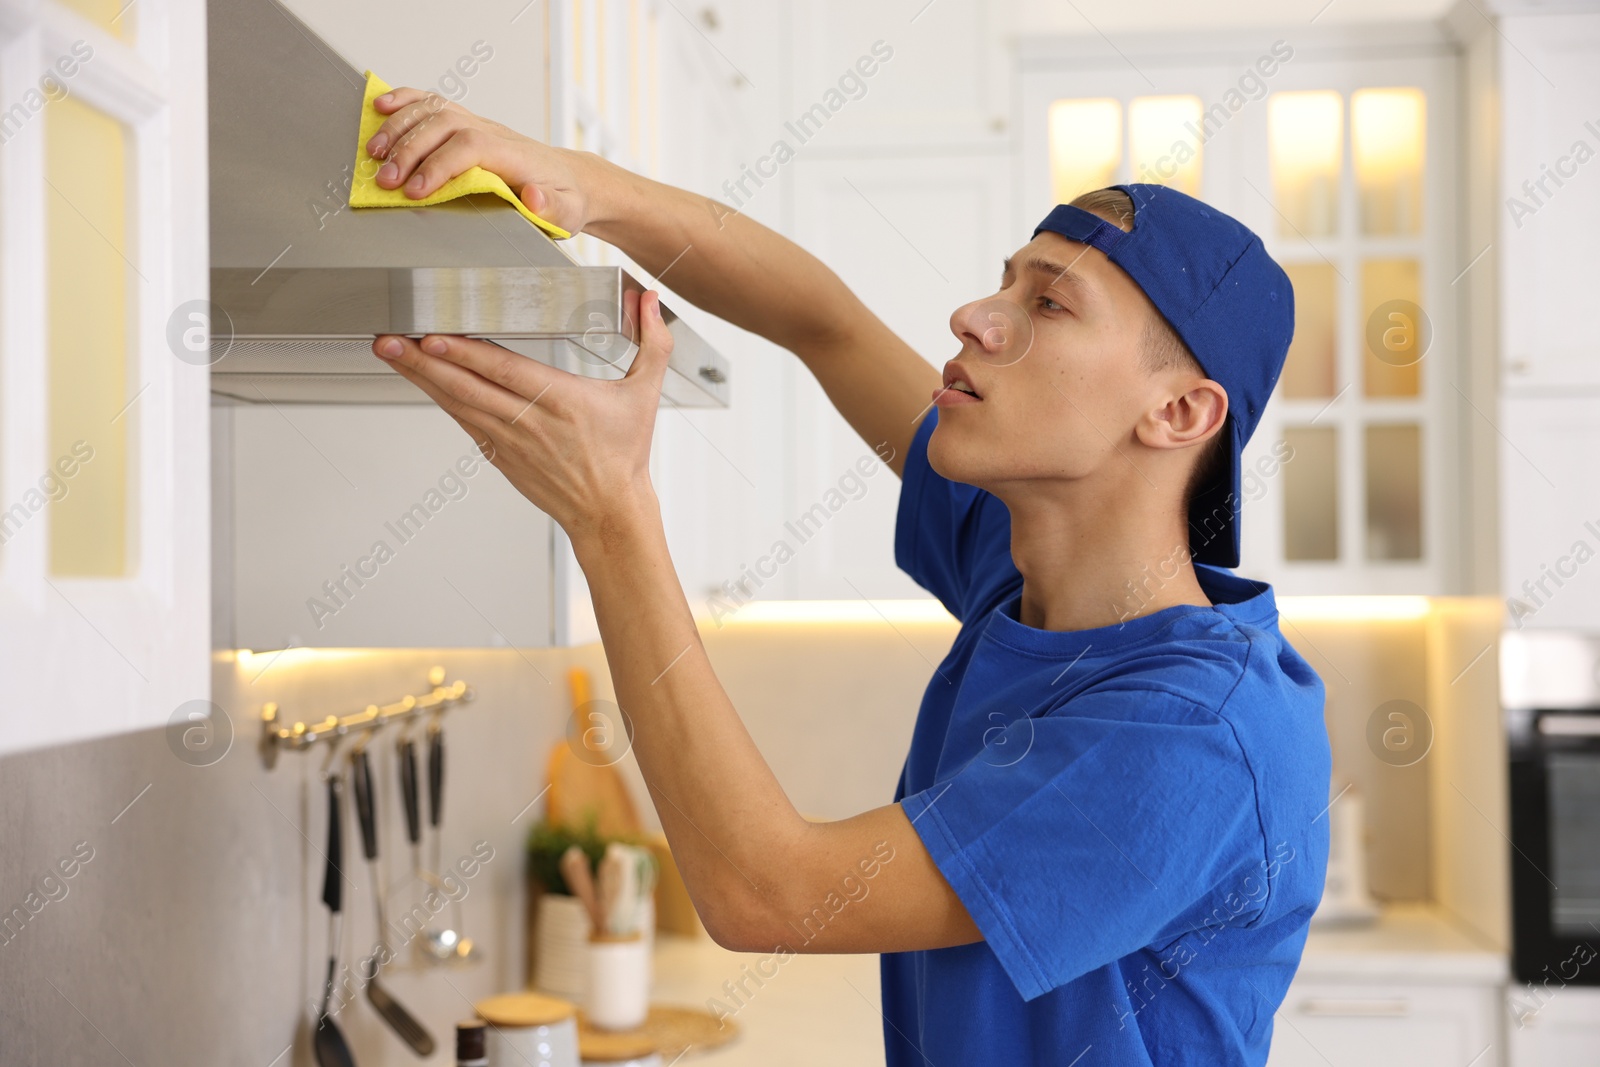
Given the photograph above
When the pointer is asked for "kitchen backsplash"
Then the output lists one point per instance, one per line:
(210, 875)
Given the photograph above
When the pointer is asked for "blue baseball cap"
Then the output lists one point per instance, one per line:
(1212, 279)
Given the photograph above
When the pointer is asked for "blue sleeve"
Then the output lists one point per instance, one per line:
(946, 533)
(1109, 834)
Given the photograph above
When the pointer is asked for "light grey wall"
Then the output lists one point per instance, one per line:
(196, 934)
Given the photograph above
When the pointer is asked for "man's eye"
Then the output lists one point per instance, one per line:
(1050, 305)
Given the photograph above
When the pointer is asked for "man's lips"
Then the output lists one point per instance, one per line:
(952, 393)
(946, 397)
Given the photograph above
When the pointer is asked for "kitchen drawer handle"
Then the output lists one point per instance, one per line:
(1378, 1006)
(1570, 725)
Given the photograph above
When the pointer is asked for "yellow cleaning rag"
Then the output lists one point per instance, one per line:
(365, 192)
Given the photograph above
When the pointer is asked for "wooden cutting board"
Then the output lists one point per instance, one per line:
(582, 767)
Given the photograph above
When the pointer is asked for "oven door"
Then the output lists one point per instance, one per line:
(1555, 833)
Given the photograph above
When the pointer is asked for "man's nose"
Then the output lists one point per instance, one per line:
(999, 328)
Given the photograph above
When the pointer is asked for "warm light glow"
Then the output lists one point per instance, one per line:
(1387, 133)
(1397, 337)
(1085, 146)
(1305, 130)
(275, 659)
(1353, 608)
(1161, 143)
(768, 612)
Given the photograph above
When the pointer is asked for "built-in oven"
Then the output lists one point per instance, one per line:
(1550, 693)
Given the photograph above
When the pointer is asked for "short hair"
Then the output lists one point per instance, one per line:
(1161, 348)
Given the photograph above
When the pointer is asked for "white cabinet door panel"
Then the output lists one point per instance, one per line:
(1550, 91)
(915, 237)
(1558, 1026)
(932, 75)
(1393, 1025)
(1550, 511)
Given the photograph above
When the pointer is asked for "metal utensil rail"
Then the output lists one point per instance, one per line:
(441, 698)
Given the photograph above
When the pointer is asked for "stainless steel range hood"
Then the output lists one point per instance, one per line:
(302, 282)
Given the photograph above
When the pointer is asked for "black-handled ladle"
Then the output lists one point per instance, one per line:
(329, 1042)
(401, 1021)
(445, 944)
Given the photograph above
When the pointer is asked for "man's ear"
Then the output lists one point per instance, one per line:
(1187, 418)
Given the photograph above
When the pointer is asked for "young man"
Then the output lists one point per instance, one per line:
(1107, 839)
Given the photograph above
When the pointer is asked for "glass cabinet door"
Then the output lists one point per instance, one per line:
(104, 442)
(1360, 406)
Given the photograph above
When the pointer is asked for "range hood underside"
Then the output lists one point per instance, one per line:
(304, 335)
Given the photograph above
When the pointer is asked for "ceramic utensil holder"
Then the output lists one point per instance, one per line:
(561, 945)
(617, 993)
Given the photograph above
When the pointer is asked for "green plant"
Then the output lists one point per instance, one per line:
(547, 843)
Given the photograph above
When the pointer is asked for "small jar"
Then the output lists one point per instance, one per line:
(530, 1030)
(472, 1047)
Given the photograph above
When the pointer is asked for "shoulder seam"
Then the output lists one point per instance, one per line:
(1255, 783)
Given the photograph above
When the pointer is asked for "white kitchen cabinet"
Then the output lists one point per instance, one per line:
(941, 73)
(1543, 220)
(103, 492)
(1386, 1024)
(921, 137)
(874, 148)
(1550, 496)
(721, 474)
(868, 217)
(1558, 1026)
(1549, 70)
(905, 190)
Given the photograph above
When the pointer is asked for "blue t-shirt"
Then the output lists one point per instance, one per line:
(1133, 815)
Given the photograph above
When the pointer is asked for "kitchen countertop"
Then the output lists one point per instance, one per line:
(824, 1009)
(814, 1009)
(1409, 942)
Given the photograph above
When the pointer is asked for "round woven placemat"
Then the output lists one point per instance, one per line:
(672, 1029)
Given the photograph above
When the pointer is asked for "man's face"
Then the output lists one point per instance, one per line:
(1055, 357)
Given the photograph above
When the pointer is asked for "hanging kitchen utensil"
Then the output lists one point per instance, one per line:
(329, 1042)
(435, 783)
(446, 944)
(408, 797)
(401, 1021)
